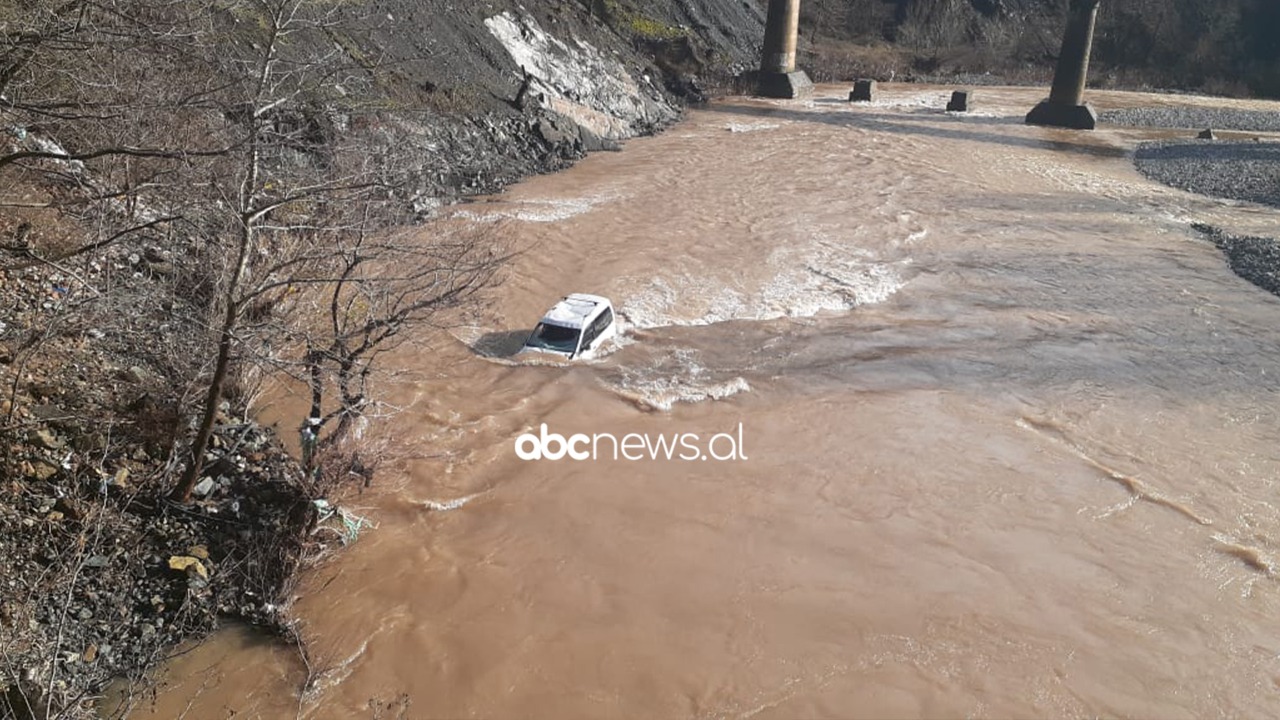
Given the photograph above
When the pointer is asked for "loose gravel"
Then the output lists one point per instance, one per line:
(1194, 118)
(1237, 170)
(1256, 259)
(1247, 170)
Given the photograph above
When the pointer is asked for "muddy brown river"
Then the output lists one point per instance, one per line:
(1010, 436)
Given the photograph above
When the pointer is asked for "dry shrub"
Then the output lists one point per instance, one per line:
(834, 61)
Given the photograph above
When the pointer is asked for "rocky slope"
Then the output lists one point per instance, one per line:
(489, 92)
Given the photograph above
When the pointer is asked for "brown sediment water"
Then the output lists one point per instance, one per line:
(1010, 432)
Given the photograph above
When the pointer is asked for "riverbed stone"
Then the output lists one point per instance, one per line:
(133, 374)
(43, 469)
(204, 487)
(47, 440)
(188, 564)
(551, 132)
(1238, 170)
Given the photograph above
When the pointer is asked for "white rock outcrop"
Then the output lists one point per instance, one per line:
(576, 80)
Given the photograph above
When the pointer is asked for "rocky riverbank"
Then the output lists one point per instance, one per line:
(1256, 259)
(102, 578)
(1243, 170)
(1194, 117)
(100, 575)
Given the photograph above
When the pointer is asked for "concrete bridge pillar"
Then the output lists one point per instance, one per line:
(778, 75)
(1065, 106)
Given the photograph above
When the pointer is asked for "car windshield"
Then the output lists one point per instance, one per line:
(554, 337)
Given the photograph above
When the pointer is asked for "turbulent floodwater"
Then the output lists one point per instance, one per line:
(1010, 425)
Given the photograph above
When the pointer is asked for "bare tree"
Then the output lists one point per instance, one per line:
(825, 17)
(265, 187)
(383, 285)
(310, 216)
(98, 109)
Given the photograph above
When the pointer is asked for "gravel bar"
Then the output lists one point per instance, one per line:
(1256, 259)
(1194, 118)
(1237, 170)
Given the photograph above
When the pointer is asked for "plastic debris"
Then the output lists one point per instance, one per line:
(340, 521)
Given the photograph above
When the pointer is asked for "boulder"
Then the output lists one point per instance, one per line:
(592, 142)
(134, 375)
(47, 440)
(43, 469)
(69, 509)
(203, 488)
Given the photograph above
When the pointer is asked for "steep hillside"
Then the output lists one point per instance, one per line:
(492, 91)
(1226, 46)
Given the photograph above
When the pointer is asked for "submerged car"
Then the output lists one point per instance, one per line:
(577, 325)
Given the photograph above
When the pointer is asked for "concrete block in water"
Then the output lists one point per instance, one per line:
(959, 101)
(787, 86)
(863, 90)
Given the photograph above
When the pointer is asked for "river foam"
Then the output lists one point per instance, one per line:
(533, 211)
(817, 283)
(677, 376)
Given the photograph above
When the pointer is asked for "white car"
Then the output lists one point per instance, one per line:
(577, 325)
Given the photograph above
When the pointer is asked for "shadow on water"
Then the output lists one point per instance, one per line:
(1035, 205)
(910, 124)
(502, 344)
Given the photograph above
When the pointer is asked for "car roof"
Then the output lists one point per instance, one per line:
(576, 310)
